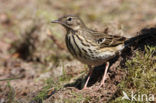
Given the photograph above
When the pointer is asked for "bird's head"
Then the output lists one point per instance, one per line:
(70, 22)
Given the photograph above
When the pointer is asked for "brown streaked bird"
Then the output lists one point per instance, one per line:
(91, 47)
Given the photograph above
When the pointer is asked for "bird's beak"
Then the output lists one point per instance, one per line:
(55, 21)
(59, 22)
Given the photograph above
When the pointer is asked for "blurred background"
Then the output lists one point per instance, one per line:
(32, 50)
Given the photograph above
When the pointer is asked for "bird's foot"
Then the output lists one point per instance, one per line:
(101, 85)
(86, 88)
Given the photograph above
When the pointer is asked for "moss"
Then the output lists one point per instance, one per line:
(141, 75)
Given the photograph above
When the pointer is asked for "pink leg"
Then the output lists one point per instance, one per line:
(90, 73)
(105, 74)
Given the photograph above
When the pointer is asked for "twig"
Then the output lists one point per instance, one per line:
(10, 79)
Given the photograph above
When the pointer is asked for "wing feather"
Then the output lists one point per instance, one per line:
(105, 40)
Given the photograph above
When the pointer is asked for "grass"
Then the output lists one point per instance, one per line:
(51, 87)
(11, 93)
(77, 98)
(140, 77)
(45, 92)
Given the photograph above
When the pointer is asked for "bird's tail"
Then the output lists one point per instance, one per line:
(143, 35)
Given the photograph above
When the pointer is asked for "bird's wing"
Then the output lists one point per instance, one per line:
(105, 40)
(111, 41)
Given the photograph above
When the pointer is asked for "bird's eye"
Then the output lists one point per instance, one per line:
(101, 40)
(69, 19)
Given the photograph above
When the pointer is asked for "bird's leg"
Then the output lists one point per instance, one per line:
(105, 74)
(89, 75)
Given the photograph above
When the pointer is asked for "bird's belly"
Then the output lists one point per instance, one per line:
(96, 59)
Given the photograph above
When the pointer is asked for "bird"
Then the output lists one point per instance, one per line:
(89, 46)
